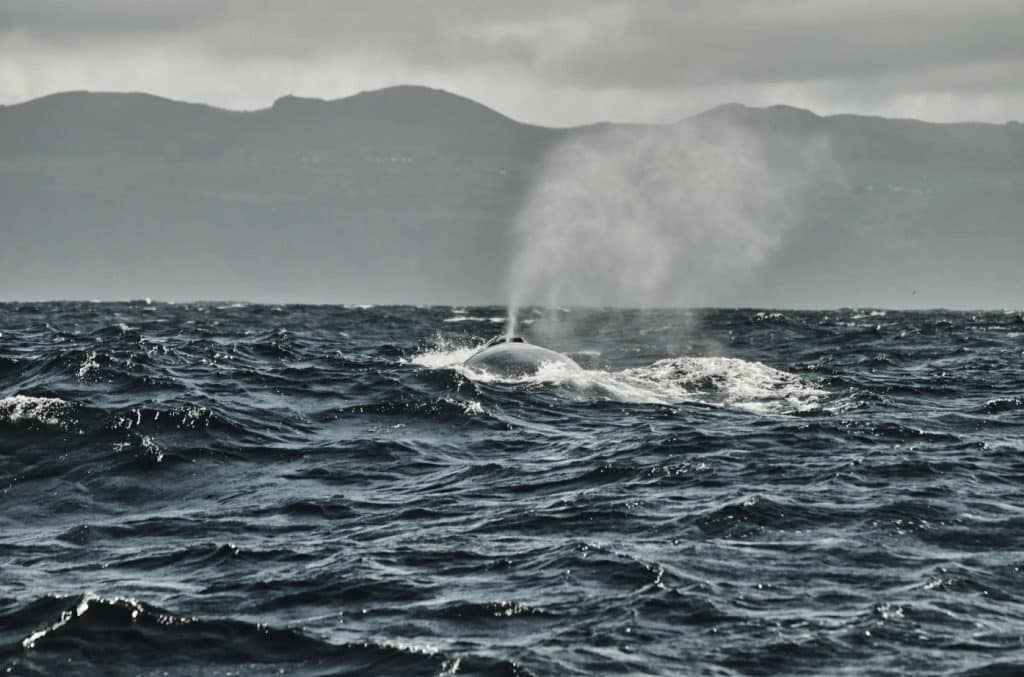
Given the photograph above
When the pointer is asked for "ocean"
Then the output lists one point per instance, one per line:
(254, 489)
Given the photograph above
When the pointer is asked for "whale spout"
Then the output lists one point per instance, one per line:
(512, 356)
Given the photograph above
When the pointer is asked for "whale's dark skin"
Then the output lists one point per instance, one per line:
(514, 357)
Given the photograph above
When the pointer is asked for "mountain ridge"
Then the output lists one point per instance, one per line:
(421, 89)
(375, 197)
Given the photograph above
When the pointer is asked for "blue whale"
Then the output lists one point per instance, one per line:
(514, 357)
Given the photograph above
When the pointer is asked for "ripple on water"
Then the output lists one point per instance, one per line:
(321, 490)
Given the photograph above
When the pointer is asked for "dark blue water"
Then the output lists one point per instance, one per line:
(195, 489)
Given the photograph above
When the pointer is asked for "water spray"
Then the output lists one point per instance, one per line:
(669, 216)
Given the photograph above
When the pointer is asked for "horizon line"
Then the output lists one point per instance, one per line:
(147, 301)
(716, 107)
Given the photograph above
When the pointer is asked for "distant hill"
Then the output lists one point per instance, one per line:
(922, 214)
(408, 194)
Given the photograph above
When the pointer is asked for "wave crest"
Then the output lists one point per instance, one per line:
(720, 381)
(46, 410)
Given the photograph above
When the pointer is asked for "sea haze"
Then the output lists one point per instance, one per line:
(413, 195)
(215, 488)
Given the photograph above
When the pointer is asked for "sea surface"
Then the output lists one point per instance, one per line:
(246, 489)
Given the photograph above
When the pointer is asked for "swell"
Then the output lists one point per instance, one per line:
(324, 489)
(126, 635)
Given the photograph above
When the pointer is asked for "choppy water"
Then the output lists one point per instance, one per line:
(320, 490)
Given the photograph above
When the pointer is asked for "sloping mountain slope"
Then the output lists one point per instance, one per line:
(409, 194)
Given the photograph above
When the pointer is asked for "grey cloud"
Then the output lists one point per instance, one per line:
(660, 45)
(636, 44)
(266, 27)
(66, 21)
(873, 51)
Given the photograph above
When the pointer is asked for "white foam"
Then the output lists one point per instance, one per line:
(80, 610)
(473, 318)
(739, 383)
(88, 365)
(471, 408)
(445, 355)
(716, 381)
(45, 410)
(589, 383)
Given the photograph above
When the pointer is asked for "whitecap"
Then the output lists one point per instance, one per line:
(80, 610)
(715, 381)
(743, 384)
(471, 408)
(45, 410)
(444, 355)
(474, 318)
(88, 365)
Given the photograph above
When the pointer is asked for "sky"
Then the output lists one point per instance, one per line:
(557, 63)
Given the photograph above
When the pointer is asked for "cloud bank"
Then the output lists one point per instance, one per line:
(561, 63)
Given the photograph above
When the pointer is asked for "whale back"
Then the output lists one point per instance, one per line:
(515, 358)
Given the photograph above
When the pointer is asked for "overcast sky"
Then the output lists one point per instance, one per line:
(558, 62)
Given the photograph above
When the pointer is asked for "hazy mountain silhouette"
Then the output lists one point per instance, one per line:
(917, 214)
(408, 194)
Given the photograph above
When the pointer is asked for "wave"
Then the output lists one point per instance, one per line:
(322, 490)
(125, 634)
(474, 318)
(445, 354)
(50, 411)
(725, 381)
(1003, 404)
